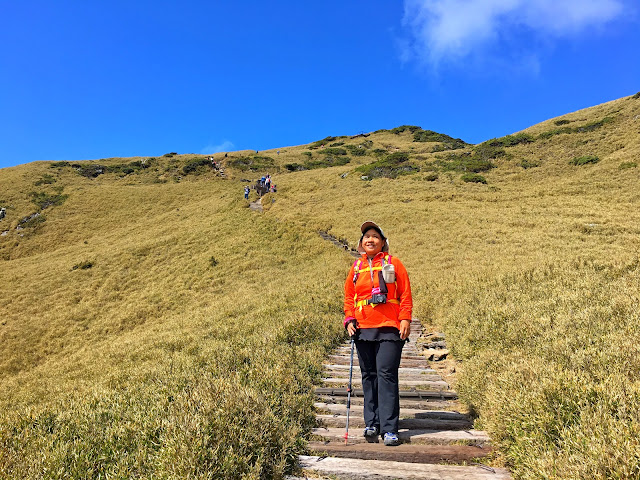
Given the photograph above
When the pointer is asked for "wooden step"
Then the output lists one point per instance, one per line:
(356, 469)
(402, 453)
(421, 436)
(344, 360)
(429, 377)
(415, 394)
(404, 384)
(357, 421)
(332, 367)
(341, 409)
(427, 403)
(346, 354)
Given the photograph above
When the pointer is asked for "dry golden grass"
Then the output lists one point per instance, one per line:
(154, 361)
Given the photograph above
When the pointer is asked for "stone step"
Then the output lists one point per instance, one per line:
(418, 436)
(332, 367)
(414, 394)
(356, 469)
(406, 453)
(341, 409)
(404, 384)
(357, 421)
(428, 403)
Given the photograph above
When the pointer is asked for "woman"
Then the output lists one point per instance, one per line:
(377, 307)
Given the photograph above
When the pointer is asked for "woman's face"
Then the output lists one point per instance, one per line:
(372, 242)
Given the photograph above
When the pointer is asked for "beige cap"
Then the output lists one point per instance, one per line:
(366, 226)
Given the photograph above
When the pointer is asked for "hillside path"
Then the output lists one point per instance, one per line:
(257, 205)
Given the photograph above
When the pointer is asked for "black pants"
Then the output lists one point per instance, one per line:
(379, 362)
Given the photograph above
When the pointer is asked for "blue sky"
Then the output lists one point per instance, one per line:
(88, 80)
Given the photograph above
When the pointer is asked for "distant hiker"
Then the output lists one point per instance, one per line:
(267, 182)
(3, 212)
(246, 192)
(226, 155)
(278, 152)
(378, 280)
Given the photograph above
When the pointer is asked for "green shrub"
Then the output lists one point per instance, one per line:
(391, 166)
(431, 177)
(308, 154)
(131, 167)
(587, 127)
(591, 126)
(45, 180)
(254, 163)
(486, 152)
(562, 122)
(464, 163)
(60, 164)
(380, 151)
(447, 142)
(195, 164)
(334, 151)
(319, 143)
(511, 140)
(636, 96)
(473, 178)
(584, 160)
(524, 163)
(293, 167)
(404, 128)
(557, 131)
(31, 221)
(337, 144)
(213, 262)
(357, 150)
(625, 165)
(89, 170)
(85, 265)
(45, 200)
(170, 154)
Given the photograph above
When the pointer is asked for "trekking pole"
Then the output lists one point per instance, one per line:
(346, 433)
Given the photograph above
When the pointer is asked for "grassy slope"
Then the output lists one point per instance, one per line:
(524, 273)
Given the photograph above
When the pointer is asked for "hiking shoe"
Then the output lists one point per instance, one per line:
(371, 434)
(391, 439)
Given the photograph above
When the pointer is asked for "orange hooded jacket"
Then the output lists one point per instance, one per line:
(399, 302)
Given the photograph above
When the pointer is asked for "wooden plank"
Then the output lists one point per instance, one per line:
(404, 384)
(441, 437)
(411, 423)
(356, 469)
(428, 403)
(402, 375)
(332, 367)
(402, 453)
(341, 409)
(344, 360)
(417, 394)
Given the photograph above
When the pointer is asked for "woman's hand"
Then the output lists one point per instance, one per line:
(405, 329)
(351, 328)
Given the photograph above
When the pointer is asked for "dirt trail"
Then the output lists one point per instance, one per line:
(257, 205)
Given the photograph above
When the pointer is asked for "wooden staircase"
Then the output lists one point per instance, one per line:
(438, 442)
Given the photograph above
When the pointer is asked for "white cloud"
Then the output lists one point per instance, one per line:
(225, 146)
(451, 30)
